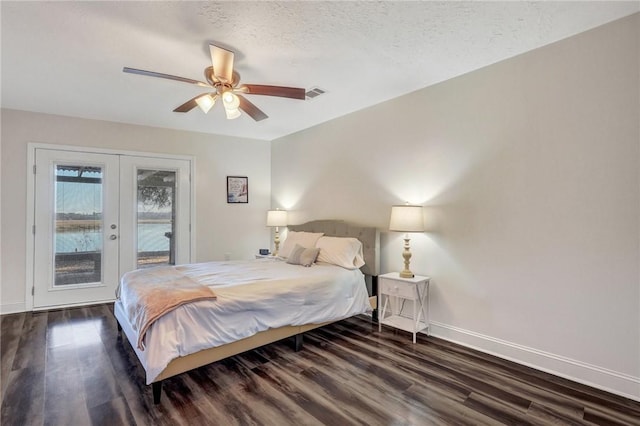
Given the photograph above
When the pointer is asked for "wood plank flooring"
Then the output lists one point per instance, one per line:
(69, 367)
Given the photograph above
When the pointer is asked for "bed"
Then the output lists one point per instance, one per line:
(189, 337)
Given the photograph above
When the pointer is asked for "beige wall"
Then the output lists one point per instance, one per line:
(237, 229)
(529, 171)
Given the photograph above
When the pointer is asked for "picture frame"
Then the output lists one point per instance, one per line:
(237, 189)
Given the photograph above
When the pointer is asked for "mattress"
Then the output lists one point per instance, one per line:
(252, 296)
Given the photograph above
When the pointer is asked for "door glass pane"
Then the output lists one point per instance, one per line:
(156, 217)
(78, 220)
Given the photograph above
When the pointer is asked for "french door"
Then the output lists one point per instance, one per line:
(100, 215)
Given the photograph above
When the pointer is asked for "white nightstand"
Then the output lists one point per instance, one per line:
(393, 291)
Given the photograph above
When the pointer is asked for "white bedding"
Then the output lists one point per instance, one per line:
(252, 296)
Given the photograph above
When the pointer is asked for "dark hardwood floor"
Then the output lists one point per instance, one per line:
(69, 367)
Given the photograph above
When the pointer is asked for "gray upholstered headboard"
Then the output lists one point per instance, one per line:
(369, 237)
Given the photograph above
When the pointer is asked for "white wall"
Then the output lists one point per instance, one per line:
(237, 229)
(529, 171)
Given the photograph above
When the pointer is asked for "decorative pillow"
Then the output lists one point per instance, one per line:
(303, 256)
(304, 239)
(341, 251)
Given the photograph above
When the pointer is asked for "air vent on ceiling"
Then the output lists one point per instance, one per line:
(315, 92)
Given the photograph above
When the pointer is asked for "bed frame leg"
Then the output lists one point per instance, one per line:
(119, 334)
(298, 342)
(157, 391)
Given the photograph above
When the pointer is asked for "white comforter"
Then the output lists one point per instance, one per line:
(253, 296)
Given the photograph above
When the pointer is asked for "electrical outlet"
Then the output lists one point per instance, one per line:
(227, 256)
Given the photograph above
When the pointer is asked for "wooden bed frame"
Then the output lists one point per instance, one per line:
(371, 244)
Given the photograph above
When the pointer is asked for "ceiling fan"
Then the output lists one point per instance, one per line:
(224, 81)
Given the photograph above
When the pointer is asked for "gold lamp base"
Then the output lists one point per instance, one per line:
(276, 242)
(406, 254)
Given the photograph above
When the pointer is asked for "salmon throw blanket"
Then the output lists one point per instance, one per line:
(147, 294)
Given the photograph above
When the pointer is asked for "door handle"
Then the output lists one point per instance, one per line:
(112, 237)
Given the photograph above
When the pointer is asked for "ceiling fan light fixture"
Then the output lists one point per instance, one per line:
(232, 113)
(230, 100)
(206, 103)
(231, 105)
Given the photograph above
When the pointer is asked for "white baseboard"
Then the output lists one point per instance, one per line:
(12, 308)
(578, 371)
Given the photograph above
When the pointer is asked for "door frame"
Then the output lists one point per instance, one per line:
(30, 236)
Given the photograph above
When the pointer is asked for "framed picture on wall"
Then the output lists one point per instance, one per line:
(237, 189)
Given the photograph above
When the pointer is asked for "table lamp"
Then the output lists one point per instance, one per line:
(276, 218)
(406, 218)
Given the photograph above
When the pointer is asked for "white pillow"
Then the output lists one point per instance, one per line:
(304, 239)
(303, 256)
(341, 251)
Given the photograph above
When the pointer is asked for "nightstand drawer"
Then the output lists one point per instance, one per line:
(398, 288)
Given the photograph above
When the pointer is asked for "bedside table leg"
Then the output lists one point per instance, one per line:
(415, 321)
(374, 291)
(383, 313)
(424, 305)
(379, 323)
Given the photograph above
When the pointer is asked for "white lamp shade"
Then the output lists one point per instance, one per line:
(230, 100)
(277, 218)
(406, 218)
(205, 102)
(232, 113)
(231, 105)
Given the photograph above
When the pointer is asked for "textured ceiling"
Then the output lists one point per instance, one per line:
(67, 57)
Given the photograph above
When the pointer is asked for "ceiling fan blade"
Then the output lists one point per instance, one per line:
(222, 61)
(251, 110)
(167, 76)
(190, 104)
(284, 92)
